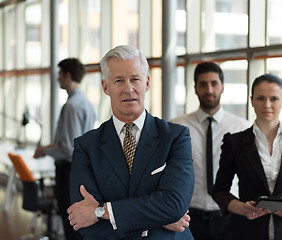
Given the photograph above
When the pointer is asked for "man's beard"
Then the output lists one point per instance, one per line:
(206, 104)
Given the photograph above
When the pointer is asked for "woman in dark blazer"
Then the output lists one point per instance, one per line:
(255, 156)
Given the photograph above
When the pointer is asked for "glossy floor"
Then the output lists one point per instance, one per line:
(16, 222)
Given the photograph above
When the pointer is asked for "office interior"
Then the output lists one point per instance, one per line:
(243, 36)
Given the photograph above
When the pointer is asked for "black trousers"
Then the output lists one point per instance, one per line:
(63, 197)
(206, 227)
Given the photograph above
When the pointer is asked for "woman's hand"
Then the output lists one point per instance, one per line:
(247, 209)
(278, 213)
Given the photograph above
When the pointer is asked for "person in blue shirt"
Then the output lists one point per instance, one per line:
(77, 117)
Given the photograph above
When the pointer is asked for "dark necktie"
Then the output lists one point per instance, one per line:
(129, 146)
(209, 157)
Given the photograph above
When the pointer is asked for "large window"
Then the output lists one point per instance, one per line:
(33, 103)
(223, 31)
(234, 99)
(33, 20)
(224, 24)
(10, 41)
(90, 31)
(181, 27)
(273, 66)
(128, 33)
(274, 21)
(64, 29)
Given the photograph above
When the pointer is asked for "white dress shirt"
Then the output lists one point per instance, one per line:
(197, 123)
(136, 132)
(271, 163)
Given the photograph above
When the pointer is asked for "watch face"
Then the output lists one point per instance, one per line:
(99, 211)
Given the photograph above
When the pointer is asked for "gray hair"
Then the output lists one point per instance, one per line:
(123, 52)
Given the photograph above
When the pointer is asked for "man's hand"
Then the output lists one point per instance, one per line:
(81, 214)
(39, 152)
(180, 225)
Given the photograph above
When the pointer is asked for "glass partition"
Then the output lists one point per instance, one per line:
(33, 20)
(91, 86)
(90, 31)
(274, 22)
(234, 98)
(224, 24)
(180, 91)
(10, 43)
(274, 66)
(181, 27)
(213, 30)
(33, 101)
(125, 14)
(156, 92)
(156, 28)
(64, 29)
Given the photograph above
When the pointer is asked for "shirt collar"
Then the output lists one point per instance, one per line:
(139, 122)
(202, 116)
(255, 128)
(257, 131)
(76, 90)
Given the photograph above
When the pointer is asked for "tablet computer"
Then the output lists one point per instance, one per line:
(272, 203)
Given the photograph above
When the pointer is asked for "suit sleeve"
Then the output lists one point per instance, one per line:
(82, 174)
(171, 199)
(227, 169)
(166, 204)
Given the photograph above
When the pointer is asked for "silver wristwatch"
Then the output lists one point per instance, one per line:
(100, 211)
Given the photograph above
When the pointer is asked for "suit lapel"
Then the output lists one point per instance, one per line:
(278, 185)
(112, 149)
(147, 145)
(253, 157)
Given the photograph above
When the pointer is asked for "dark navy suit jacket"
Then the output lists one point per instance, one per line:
(240, 156)
(157, 193)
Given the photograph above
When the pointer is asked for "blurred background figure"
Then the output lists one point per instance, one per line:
(77, 117)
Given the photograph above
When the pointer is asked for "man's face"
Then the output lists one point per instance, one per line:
(126, 87)
(63, 79)
(209, 89)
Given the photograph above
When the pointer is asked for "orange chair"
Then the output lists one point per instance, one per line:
(21, 168)
(32, 201)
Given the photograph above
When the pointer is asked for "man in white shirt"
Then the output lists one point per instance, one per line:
(207, 221)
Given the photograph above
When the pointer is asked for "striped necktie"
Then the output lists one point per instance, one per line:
(129, 146)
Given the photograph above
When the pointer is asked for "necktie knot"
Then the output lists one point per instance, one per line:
(129, 126)
(210, 119)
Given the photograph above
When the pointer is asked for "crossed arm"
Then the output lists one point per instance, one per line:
(81, 214)
(162, 199)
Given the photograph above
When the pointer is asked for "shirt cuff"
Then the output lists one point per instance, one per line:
(111, 215)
